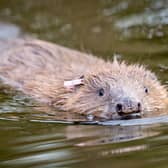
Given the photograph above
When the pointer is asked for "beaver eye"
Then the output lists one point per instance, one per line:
(146, 90)
(101, 92)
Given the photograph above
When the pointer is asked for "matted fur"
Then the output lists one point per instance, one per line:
(40, 68)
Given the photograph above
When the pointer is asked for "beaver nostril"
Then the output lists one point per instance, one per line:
(119, 108)
(139, 106)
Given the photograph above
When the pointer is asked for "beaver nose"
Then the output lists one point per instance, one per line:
(122, 109)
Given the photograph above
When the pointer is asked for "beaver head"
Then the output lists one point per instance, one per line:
(117, 90)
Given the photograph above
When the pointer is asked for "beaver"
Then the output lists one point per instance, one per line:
(72, 81)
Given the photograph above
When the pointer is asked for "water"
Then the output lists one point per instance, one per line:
(136, 30)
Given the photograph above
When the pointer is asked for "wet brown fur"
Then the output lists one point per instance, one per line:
(39, 69)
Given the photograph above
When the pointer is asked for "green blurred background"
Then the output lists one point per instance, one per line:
(136, 30)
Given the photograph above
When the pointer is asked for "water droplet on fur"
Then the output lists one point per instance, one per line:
(90, 117)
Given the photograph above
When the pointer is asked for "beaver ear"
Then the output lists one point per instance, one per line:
(73, 83)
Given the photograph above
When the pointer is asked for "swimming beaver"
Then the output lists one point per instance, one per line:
(76, 82)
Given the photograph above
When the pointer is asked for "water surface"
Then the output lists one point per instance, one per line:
(138, 32)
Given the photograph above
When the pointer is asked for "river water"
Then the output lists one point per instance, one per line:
(137, 31)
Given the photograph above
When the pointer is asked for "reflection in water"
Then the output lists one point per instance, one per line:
(135, 29)
(35, 148)
(47, 145)
(38, 144)
(107, 135)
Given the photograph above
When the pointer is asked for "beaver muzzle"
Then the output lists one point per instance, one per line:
(126, 106)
